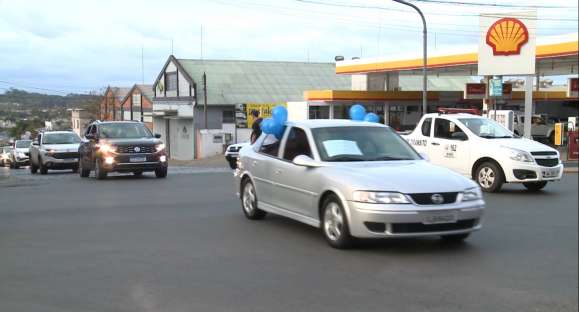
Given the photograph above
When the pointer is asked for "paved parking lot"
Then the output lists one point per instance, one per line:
(182, 244)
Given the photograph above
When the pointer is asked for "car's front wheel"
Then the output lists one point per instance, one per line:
(249, 201)
(99, 171)
(33, 168)
(41, 167)
(161, 172)
(535, 186)
(335, 224)
(84, 173)
(490, 177)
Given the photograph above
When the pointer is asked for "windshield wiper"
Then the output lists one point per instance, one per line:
(496, 137)
(388, 158)
(345, 158)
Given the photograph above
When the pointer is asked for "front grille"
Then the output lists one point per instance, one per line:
(130, 149)
(547, 162)
(67, 155)
(400, 228)
(426, 198)
(544, 153)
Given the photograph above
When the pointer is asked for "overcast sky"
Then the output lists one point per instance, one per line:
(78, 46)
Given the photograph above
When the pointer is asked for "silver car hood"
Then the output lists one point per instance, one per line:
(399, 176)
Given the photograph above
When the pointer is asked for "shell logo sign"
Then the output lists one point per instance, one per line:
(506, 36)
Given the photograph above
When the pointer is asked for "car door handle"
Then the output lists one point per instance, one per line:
(277, 171)
(434, 143)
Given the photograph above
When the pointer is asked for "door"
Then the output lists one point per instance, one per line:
(260, 164)
(449, 146)
(421, 140)
(295, 186)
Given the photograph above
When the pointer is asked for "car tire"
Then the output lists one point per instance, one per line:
(489, 177)
(335, 224)
(75, 169)
(232, 163)
(84, 173)
(249, 202)
(535, 186)
(41, 167)
(161, 172)
(100, 173)
(137, 173)
(33, 168)
(16, 166)
(455, 238)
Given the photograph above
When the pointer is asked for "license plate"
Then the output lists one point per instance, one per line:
(440, 217)
(138, 159)
(550, 172)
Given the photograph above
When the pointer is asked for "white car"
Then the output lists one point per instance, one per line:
(484, 150)
(355, 179)
(232, 152)
(55, 150)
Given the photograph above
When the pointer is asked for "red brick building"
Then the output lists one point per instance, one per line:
(110, 107)
(137, 104)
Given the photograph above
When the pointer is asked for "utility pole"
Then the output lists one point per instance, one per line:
(205, 99)
(424, 56)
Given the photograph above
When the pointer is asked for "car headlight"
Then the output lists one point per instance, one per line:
(518, 155)
(379, 197)
(21, 154)
(107, 148)
(49, 152)
(472, 194)
(160, 147)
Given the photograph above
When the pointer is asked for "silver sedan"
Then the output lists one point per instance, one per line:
(354, 180)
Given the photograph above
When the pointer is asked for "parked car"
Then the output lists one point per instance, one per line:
(5, 152)
(481, 148)
(20, 155)
(355, 179)
(121, 146)
(232, 152)
(542, 127)
(55, 150)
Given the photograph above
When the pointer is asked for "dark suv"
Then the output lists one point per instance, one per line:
(121, 146)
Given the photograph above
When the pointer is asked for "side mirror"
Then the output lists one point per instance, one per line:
(157, 136)
(424, 156)
(305, 161)
(461, 136)
(90, 136)
(35, 143)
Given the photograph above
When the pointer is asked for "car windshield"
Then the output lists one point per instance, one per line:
(60, 138)
(486, 128)
(23, 144)
(361, 144)
(124, 130)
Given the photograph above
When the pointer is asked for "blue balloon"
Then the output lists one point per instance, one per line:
(357, 112)
(279, 114)
(371, 117)
(278, 131)
(267, 126)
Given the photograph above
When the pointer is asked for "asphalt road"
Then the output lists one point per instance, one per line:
(182, 244)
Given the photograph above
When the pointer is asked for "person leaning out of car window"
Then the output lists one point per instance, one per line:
(256, 127)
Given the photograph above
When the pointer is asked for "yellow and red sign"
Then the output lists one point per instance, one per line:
(507, 36)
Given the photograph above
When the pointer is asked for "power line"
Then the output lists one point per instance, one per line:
(502, 5)
(39, 88)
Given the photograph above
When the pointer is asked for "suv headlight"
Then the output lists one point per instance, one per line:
(379, 197)
(472, 194)
(518, 155)
(49, 152)
(107, 148)
(160, 147)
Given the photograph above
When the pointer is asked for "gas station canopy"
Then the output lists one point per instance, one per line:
(557, 55)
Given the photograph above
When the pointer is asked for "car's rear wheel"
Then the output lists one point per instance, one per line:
(75, 169)
(84, 173)
(99, 171)
(161, 172)
(455, 238)
(33, 168)
(535, 186)
(490, 177)
(335, 224)
(41, 167)
(249, 202)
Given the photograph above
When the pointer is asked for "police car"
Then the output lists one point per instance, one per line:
(483, 149)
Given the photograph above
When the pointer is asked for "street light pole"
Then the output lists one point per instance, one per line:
(424, 56)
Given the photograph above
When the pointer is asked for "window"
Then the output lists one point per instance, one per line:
(137, 99)
(228, 116)
(130, 130)
(445, 129)
(270, 146)
(426, 127)
(171, 81)
(60, 138)
(296, 144)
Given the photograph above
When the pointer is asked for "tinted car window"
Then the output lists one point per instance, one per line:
(445, 129)
(426, 126)
(270, 146)
(23, 144)
(124, 130)
(296, 144)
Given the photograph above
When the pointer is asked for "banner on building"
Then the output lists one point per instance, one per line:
(243, 117)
